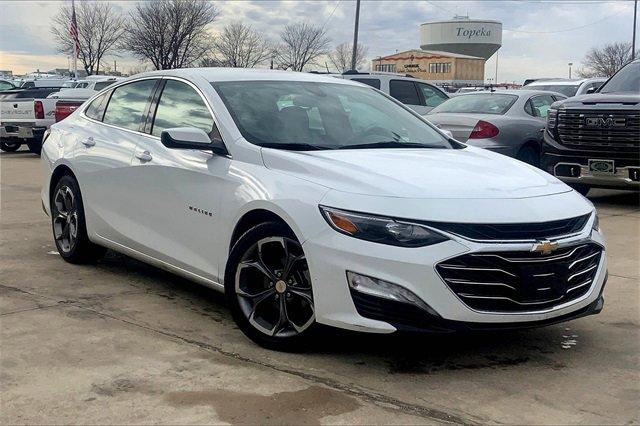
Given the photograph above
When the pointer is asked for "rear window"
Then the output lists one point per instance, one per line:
(481, 103)
(568, 90)
(101, 85)
(373, 82)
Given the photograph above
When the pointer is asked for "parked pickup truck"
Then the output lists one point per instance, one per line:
(594, 140)
(25, 114)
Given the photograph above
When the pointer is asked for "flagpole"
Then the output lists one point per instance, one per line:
(74, 44)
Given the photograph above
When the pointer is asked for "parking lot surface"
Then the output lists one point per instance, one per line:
(123, 342)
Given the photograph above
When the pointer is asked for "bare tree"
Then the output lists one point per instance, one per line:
(100, 27)
(170, 33)
(606, 60)
(239, 45)
(301, 44)
(209, 62)
(340, 56)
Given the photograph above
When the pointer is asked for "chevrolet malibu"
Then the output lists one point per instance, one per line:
(315, 201)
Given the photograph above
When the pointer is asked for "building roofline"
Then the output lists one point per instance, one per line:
(428, 54)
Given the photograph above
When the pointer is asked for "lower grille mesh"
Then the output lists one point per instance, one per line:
(521, 281)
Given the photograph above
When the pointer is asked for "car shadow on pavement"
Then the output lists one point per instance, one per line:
(398, 353)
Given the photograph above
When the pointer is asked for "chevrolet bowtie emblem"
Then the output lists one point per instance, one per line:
(544, 246)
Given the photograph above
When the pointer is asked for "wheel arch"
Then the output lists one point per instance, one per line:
(60, 171)
(255, 217)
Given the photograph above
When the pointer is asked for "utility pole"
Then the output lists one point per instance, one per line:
(355, 36)
(633, 43)
(570, 64)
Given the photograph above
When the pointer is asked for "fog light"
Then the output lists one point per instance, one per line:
(384, 289)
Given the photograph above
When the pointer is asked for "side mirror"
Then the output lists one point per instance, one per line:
(191, 138)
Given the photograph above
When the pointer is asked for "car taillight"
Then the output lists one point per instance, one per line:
(484, 130)
(63, 111)
(38, 109)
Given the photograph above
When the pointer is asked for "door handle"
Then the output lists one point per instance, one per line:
(89, 142)
(144, 156)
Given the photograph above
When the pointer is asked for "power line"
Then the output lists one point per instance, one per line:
(565, 29)
(331, 14)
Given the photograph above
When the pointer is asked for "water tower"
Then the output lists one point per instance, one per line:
(481, 38)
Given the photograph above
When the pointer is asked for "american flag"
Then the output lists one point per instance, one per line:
(73, 31)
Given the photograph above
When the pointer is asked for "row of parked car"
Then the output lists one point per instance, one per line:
(591, 137)
(28, 110)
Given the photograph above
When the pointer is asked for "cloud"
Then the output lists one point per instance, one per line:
(528, 50)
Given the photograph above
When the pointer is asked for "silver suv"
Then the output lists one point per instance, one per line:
(418, 95)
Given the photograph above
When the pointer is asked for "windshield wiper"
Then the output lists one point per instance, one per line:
(294, 146)
(387, 144)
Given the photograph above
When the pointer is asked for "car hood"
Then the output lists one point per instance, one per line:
(600, 99)
(470, 173)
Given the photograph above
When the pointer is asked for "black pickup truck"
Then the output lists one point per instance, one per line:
(593, 140)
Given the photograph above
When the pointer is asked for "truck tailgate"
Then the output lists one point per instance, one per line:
(16, 110)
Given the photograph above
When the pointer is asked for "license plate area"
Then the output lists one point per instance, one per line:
(11, 129)
(602, 167)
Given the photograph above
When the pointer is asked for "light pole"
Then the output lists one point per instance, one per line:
(633, 42)
(355, 36)
(570, 64)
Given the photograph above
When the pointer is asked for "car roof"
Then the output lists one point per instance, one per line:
(244, 74)
(517, 92)
(383, 76)
(564, 81)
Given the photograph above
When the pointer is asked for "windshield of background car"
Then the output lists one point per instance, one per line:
(568, 90)
(481, 103)
(626, 80)
(322, 116)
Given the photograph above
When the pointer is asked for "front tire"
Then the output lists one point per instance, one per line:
(268, 288)
(529, 155)
(69, 226)
(35, 146)
(582, 189)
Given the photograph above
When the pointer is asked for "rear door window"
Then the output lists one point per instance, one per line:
(539, 105)
(432, 96)
(128, 104)
(404, 91)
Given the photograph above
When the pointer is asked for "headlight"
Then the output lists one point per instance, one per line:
(380, 229)
(552, 119)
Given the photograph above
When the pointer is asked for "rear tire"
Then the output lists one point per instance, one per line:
(35, 146)
(529, 155)
(268, 288)
(69, 226)
(9, 146)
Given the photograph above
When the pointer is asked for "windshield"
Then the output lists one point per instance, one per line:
(481, 103)
(568, 90)
(310, 115)
(625, 80)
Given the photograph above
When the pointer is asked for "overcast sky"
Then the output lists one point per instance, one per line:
(539, 37)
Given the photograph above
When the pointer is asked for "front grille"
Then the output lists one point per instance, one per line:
(614, 131)
(521, 281)
(514, 231)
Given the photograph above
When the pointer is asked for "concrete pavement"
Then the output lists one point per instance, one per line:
(122, 342)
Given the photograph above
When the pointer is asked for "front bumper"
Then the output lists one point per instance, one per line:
(572, 166)
(331, 254)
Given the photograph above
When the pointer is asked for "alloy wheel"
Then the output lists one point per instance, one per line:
(273, 287)
(65, 219)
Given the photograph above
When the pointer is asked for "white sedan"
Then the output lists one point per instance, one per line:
(311, 200)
